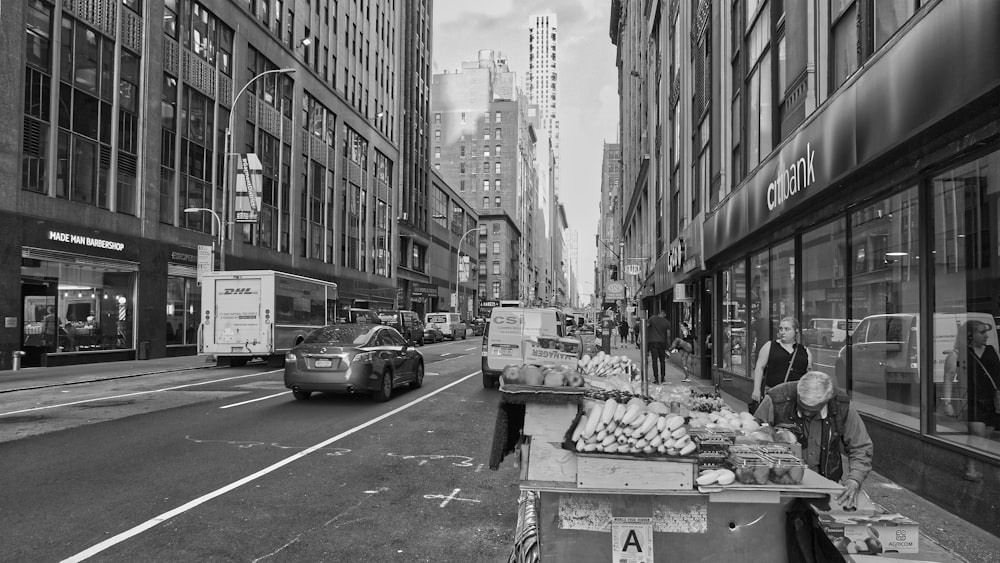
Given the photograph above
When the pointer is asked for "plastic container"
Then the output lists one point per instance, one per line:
(751, 468)
(786, 469)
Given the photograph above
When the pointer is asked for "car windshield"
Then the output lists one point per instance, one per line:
(350, 335)
(437, 319)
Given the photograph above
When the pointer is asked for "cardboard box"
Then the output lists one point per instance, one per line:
(871, 534)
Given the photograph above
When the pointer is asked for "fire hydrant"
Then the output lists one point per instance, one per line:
(16, 356)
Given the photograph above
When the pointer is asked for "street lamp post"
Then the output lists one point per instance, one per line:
(458, 267)
(226, 187)
(218, 222)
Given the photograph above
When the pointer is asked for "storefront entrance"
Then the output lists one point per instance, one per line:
(41, 332)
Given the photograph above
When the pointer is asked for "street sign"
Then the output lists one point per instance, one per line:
(614, 290)
(248, 194)
(633, 269)
(206, 259)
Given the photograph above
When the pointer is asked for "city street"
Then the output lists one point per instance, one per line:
(224, 465)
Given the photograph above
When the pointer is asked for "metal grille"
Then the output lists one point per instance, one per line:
(131, 31)
(286, 130)
(126, 163)
(198, 74)
(225, 94)
(269, 119)
(171, 56)
(32, 138)
(105, 157)
(98, 13)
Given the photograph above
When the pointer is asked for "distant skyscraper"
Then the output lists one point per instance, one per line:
(542, 79)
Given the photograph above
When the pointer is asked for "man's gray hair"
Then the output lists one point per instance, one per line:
(815, 389)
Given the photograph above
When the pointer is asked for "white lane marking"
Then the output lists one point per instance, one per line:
(443, 354)
(431, 373)
(157, 520)
(471, 349)
(137, 393)
(255, 400)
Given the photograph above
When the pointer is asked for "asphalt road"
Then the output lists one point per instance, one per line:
(224, 465)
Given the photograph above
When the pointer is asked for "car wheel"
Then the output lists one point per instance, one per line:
(301, 395)
(418, 377)
(384, 392)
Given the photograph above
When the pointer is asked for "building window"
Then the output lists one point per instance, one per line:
(496, 247)
(496, 150)
(496, 201)
(497, 119)
(965, 276)
(496, 133)
(482, 248)
(486, 167)
(733, 342)
(437, 152)
(437, 117)
(437, 134)
(496, 167)
(496, 184)
(496, 267)
(486, 151)
(461, 168)
(486, 201)
(461, 151)
(486, 185)
(496, 228)
(496, 290)
(885, 290)
(844, 42)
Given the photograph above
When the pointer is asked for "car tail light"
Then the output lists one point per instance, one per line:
(290, 357)
(362, 357)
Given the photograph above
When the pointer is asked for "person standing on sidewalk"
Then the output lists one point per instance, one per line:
(657, 331)
(623, 333)
(684, 344)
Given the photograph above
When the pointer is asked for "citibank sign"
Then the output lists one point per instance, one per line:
(791, 180)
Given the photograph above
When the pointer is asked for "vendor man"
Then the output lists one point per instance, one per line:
(827, 426)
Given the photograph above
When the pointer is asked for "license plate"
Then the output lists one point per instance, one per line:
(324, 363)
(503, 352)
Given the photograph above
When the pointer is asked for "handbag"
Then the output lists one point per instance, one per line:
(752, 405)
(996, 390)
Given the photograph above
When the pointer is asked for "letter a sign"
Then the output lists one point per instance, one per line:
(631, 540)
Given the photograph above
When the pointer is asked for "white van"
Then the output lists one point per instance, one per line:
(506, 331)
(450, 324)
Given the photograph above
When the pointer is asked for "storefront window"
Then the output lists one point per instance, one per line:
(183, 304)
(966, 368)
(824, 295)
(733, 338)
(760, 303)
(884, 354)
(75, 308)
(783, 282)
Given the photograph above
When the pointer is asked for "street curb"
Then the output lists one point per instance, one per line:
(108, 378)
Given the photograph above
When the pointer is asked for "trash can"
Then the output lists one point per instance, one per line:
(143, 351)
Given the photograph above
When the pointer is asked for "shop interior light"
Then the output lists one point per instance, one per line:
(897, 253)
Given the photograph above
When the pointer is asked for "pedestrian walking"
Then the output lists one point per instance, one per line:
(684, 345)
(657, 330)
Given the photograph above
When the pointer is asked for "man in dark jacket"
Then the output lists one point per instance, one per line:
(827, 426)
(657, 332)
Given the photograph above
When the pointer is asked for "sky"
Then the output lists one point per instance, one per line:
(588, 89)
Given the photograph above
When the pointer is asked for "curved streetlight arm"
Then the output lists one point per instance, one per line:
(458, 266)
(226, 191)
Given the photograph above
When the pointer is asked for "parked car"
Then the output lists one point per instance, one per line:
(450, 324)
(885, 354)
(351, 358)
(406, 322)
(432, 334)
(828, 333)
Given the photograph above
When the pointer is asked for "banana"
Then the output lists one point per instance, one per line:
(608, 412)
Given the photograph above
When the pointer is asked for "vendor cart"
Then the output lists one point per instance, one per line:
(604, 507)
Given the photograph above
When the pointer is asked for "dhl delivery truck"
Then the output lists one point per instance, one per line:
(260, 314)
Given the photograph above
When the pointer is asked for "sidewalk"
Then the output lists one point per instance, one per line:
(42, 377)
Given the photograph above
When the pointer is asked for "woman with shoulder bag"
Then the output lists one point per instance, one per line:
(780, 360)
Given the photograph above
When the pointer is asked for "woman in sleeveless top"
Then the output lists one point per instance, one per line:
(775, 355)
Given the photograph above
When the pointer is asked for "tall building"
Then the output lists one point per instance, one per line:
(483, 142)
(609, 233)
(832, 162)
(542, 79)
(116, 167)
